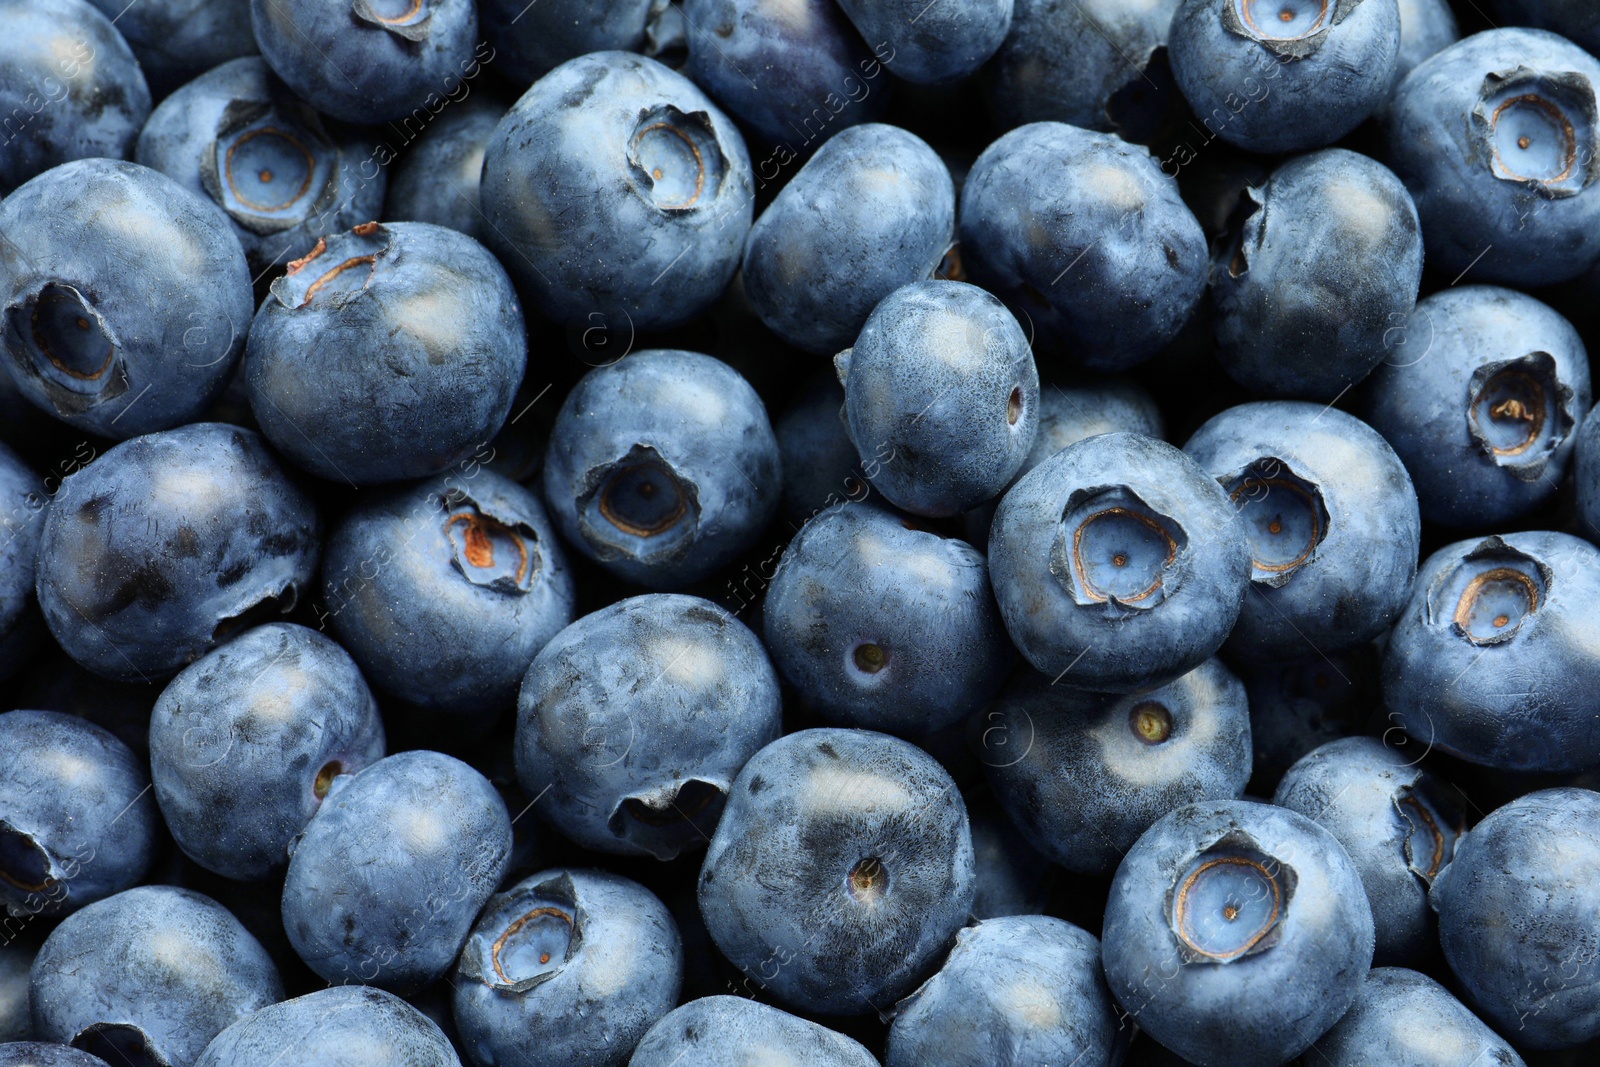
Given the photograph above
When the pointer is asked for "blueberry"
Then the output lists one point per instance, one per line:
(40, 1054)
(931, 44)
(1585, 476)
(1236, 933)
(569, 968)
(820, 465)
(444, 590)
(1311, 324)
(167, 545)
(1492, 660)
(75, 822)
(1331, 519)
(22, 505)
(1118, 561)
(884, 626)
(1426, 27)
(1284, 75)
(437, 179)
(662, 467)
(1025, 989)
(390, 352)
(873, 210)
(385, 882)
(176, 40)
(1084, 234)
(149, 977)
(1297, 705)
(530, 40)
(15, 1023)
(1572, 19)
(941, 397)
(841, 869)
(736, 1032)
(283, 174)
(618, 195)
(127, 299)
(346, 1026)
(245, 743)
(1480, 397)
(1497, 137)
(1409, 1020)
(374, 60)
(69, 88)
(1012, 878)
(1518, 921)
(634, 720)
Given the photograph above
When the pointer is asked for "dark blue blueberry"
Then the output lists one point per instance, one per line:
(1013, 879)
(284, 175)
(169, 544)
(127, 299)
(22, 506)
(1405, 1019)
(1024, 989)
(437, 178)
(634, 720)
(392, 351)
(941, 397)
(820, 465)
(841, 869)
(931, 44)
(1493, 660)
(1426, 27)
(76, 824)
(567, 968)
(618, 195)
(1236, 933)
(346, 1026)
(445, 590)
(1573, 19)
(1085, 235)
(1312, 287)
(16, 959)
(40, 1054)
(884, 626)
(1284, 75)
(530, 40)
(69, 88)
(1585, 476)
(389, 874)
(1498, 139)
(371, 61)
(736, 1032)
(662, 467)
(1331, 520)
(176, 40)
(149, 977)
(245, 743)
(1480, 397)
(873, 210)
(1118, 561)
(1296, 705)
(1519, 920)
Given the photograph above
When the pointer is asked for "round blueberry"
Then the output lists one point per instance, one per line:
(736, 1031)
(438, 177)
(43, 1054)
(346, 1026)
(931, 44)
(532, 39)
(1402, 1017)
(176, 40)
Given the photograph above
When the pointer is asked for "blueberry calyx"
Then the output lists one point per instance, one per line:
(408, 19)
(1230, 901)
(1491, 593)
(1114, 549)
(122, 1043)
(265, 608)
(1520, 413)
(69, 346)
(533, 947)
(25, 867)
(1432, 827)
(488, 550)
(868, 880)
(1150, 722)
(670, 817)
(675, 159)
(345, 264)
(1284, 515)
(1289, 28)
(271, 165)
(638, 507)
(1538, 128)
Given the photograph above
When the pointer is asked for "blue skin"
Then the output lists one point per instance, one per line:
(22, 505)
(662, 467)
(1573, 19)
(1406, 1019)
(529, 42)
(283, 175)
(149, 976)
(1519, 610)
(873, 210)
(820, 465)
(76, 824)
(1398, 823)
(1492, 209)
(840, 871)
(567, 967)
(941, 397)
(371, 61)
(126, 298)
(391, 352)
(1086, 238)
(1331, 519)
(1297, 705)
(167, 545)
(735, 1032)
(1269, 85)
(1585, 476)
(1310, 289)
(1518, 918)
(1481, 396)
(245, 743)
(576, 212)
(39, 1054)
(1236, 933)
(1426, 27)
(1013, 879)
(445, 590)
(1025, 989)
(47, 122)
(176, 40)
(346, 1026)
(1091, 772)
(634, 720)
(883, 626)
(385, 882)
(1118, 563)
(932, 45)
(437, 178)
(16, 958)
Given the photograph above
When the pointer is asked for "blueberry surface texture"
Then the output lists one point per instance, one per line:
(1572, 19)
(176, 40)
(345, 1026)
(529, 42)
(725, 1031)
(437, 178)
(44, 1054)
(932, 45)
(1426, 27)
(1407, 1019)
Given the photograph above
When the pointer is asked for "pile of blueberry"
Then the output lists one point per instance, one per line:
(827, 533)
